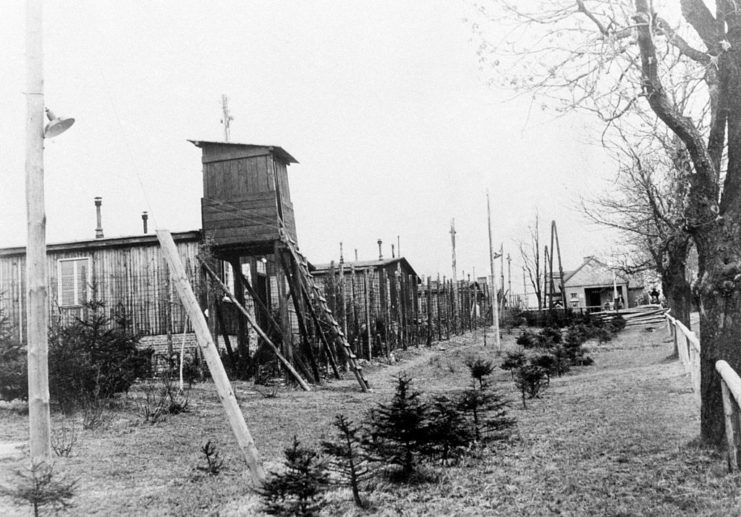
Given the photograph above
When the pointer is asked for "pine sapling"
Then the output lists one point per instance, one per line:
(349, 461)
(298, 490)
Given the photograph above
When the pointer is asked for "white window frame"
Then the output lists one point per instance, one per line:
(76, 284)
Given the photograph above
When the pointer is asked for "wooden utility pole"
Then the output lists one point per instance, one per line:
(494, 297)
(509, 279)
(37, 316)
(211, 354)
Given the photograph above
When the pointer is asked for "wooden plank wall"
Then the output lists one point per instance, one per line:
(130, 281)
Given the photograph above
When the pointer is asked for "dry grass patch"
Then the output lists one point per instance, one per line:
(615, 438)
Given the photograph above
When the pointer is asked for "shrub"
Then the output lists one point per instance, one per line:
(93, 355)
(64, 439)
(548, 362)
(549, 336)
(213, 462)
(13, 371)
(300, 489)
(13, 368)
(527, 339)
(617, 323)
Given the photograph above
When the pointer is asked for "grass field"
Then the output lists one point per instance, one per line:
(615, 438)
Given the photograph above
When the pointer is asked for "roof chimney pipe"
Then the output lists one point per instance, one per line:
(99, 228)
(380, 253)
(145, 217)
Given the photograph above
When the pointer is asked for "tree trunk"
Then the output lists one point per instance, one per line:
(674, 281)
(720, 323)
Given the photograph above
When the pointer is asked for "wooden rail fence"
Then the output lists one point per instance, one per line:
(688, 347)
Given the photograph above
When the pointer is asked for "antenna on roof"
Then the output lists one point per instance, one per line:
(226, 117)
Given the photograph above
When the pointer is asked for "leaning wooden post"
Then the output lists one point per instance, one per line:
(211, 354)
(241, 308)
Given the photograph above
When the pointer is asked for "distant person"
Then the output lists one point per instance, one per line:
(654, 295)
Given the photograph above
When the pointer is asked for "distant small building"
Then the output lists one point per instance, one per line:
(593, 284)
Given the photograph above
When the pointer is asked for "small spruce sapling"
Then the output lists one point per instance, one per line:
(480, 369)
(486, 412)
(512, 361)
(41, 487)
(299, 490)
(530, 380)
(399, 429)
(349, 460)
(447, 431)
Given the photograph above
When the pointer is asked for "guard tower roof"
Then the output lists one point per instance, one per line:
(281, 153)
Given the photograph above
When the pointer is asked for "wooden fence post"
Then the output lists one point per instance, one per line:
(369, 333)
(732, 428)
(211, 354)
(429, 311)
(385, 308)
(354, 314)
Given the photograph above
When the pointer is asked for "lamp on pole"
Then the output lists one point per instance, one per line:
(37, 316)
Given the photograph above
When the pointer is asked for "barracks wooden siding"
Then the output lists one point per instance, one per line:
(128, 274)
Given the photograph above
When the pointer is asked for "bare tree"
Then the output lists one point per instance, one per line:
(531, 259)
(646, 204)
(606, 56)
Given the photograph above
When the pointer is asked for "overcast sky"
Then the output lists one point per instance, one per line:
(382, 103)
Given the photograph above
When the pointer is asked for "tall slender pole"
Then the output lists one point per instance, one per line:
(492, 279)
(509, 279)
(37, 317)
(455, 275)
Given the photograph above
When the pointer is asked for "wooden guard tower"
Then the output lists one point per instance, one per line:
(247, 218)
(245, 196)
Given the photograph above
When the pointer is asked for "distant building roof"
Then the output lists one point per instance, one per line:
(365, 264)
(593, 272)
(109, 242)
(277, 150)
